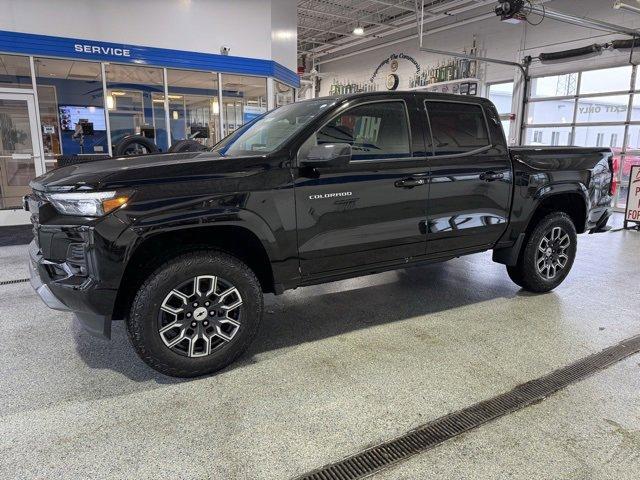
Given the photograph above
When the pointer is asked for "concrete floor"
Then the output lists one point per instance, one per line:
(337, 368)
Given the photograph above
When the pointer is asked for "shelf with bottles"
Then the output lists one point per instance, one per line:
(461, 86)
(448, 70)
(451, 70)
(343, 88)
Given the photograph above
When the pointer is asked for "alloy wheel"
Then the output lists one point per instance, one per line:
(200, 316)
(552, 256)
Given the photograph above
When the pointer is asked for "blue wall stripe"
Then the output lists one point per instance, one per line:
(45, 45)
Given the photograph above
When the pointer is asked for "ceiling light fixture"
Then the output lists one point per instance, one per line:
(358, 30)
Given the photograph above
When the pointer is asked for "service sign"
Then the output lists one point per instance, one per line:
(633, 203)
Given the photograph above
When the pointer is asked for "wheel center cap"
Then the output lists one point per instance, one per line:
(200, 313)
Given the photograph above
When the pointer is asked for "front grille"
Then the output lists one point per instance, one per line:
(75, 252)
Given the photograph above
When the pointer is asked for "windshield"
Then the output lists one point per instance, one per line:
(268, 132)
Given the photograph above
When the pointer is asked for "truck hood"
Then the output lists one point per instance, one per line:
(145, 169)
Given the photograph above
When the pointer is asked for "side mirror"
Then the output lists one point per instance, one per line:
(328, 155)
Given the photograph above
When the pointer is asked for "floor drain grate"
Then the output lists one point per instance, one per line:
(9, 282)
(433, 433)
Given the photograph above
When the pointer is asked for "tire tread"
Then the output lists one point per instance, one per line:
(144, 295)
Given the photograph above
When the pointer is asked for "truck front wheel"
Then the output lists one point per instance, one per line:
(548, 254)
(196, 314)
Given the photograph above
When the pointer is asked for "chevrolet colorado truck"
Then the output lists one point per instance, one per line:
(183, 246)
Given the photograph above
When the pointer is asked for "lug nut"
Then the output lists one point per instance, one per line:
(205, 323)
(212, 313)
(206, 304)
(195, 304)
(189, 315)
(193, 324)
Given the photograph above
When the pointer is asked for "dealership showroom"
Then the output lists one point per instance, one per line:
(221, 257)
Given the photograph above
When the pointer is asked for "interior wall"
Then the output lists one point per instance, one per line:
(192, 25)
(284, 33)
(498, 40)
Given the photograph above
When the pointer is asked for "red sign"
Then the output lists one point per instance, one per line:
(632, 213)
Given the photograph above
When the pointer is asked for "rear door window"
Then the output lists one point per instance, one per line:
(457, 128)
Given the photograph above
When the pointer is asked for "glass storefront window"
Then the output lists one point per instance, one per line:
(599, 136)
(601, 114)
(193, 106)
(606, 80)
(135, 101)
(501, 94)
(243, 99)
(548, 136)
(555, 86)
(70, 96)
(550, 112)
(284, 94)
(15, 72)
(603, 109)
(17, 148)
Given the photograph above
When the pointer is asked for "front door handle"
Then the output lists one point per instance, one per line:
(491, 176)
(410, 182)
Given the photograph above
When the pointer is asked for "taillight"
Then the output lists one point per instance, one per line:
(614, 166)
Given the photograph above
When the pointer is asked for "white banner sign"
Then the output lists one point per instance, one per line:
(633, 202)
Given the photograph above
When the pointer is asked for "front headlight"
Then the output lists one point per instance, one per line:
(88, 204)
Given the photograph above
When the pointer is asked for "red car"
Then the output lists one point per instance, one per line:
(629, 161)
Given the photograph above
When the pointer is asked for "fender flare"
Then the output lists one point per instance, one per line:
(549, 191)
(509, 255)
(244, 219)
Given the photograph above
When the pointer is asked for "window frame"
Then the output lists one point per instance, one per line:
(633, 93)
(464, 154)
(411, 156)
(504, 117)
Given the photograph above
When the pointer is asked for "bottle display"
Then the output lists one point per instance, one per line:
(339, 87)
(444, 70)
(448, 70)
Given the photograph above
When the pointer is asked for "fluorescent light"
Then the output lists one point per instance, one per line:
(111, 102)
(358, 31)
(175, 115)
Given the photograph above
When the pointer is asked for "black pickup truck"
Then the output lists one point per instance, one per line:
(182, 246)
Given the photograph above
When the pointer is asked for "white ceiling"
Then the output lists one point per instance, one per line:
(326, 26)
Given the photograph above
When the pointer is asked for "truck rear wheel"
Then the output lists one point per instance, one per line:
(196, 314)
(548, 254)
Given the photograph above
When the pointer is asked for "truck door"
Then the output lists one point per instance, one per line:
(372, 210)
(471, 180)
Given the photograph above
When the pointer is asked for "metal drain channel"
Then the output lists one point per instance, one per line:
(444, 428)
(10, 282)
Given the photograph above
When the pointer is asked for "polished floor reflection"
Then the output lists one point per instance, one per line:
(335, 368)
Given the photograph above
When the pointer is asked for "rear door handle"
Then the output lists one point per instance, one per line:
(491, 176)
(410, 182)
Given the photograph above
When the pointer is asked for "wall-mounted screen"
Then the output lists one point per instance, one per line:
(70, 115)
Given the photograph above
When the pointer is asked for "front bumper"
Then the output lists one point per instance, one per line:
(78, 299)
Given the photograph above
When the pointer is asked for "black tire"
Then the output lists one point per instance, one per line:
(527, 274)
(144, 321)
(186, 146)
(134, 145)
